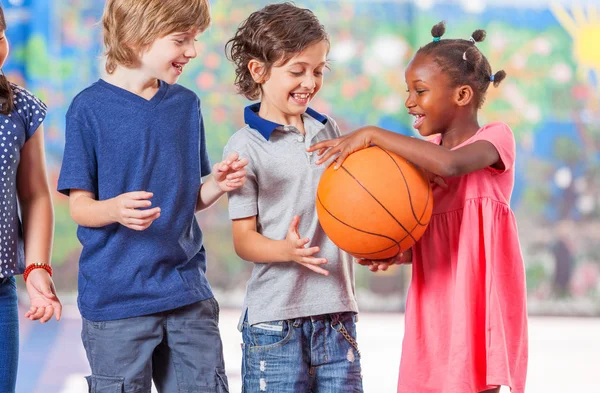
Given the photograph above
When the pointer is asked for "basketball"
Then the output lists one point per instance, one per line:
(376, 205)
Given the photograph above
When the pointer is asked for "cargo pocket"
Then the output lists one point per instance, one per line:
(100, 384)
(222, 384)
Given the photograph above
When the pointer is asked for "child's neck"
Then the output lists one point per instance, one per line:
(134, 81)
(268, 112)
(460, 130)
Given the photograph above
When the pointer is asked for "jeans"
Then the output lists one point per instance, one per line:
(180, 350)
(9, 335)
(306, 355)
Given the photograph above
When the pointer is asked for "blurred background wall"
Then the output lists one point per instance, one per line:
(551, 99)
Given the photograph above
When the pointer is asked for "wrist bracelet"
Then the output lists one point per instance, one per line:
(34, 266)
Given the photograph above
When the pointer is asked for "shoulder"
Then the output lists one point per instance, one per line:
(243, 138)
(497, 127)
(182, 93)
(25, 100)
(331, 126)
(86, 98)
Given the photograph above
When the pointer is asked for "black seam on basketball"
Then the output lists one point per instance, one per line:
(376, 200)
(412, 209)
(396, 243)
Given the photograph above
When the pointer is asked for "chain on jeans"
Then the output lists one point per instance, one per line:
(349, 338)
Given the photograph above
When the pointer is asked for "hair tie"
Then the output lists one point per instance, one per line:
(436, 39)
(472, 40)
(465, 56)
(492, 78)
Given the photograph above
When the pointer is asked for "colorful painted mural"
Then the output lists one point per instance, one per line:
(551, 99)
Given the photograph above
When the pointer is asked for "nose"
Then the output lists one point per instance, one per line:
(410, 102)
(309, 82)
(190, 51)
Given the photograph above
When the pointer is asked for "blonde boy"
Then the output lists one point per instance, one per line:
(134, 157)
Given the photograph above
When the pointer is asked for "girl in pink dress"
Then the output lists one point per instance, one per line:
(466, 316)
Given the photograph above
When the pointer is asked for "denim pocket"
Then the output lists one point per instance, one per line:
(267, 334)
(101, 384)
(222, 383)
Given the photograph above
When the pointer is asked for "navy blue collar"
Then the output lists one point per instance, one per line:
(266, 127)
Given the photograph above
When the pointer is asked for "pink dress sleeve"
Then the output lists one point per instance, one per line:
(501, 136)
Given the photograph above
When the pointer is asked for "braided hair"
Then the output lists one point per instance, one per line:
(462, 61)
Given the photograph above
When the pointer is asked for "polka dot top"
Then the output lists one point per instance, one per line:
(15, 129)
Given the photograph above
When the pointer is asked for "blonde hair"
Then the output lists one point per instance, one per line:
(131, 25)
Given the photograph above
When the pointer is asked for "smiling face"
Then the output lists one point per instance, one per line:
(166, 57)
(288, 88)
(430, 96)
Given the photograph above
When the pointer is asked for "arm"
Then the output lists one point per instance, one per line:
(38, 227)
(124, 209)
(433, 158)
(253, 246)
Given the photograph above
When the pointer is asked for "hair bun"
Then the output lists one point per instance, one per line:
(439, 29)
(479, 35)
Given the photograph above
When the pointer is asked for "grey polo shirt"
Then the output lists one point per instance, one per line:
(282, 181)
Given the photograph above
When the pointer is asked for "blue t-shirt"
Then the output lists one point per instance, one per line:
(15, 129)
(118, 142)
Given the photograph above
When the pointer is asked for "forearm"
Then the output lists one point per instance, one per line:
(38, 228)
(429, 156)
(254, 247)
(91, 213)
(208, 195)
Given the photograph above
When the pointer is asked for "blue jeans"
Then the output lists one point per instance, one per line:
(306, 355)
(180, 350)
(9, 335)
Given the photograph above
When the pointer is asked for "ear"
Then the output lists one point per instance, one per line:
(258, 71)
(464, 95)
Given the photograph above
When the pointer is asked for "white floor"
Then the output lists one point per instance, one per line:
(564, 354)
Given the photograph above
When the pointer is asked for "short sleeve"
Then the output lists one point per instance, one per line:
(335, 126)
(501, 136)
(79, 164)
(205, 166)
(30, 109)
(243, 202)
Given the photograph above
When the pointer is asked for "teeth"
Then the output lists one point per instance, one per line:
(301, 96)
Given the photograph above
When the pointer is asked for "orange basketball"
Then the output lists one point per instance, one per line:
(376, 205)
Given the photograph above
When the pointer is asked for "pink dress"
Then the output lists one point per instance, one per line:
(466, 315)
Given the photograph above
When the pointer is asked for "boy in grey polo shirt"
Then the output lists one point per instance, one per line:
(298, 324)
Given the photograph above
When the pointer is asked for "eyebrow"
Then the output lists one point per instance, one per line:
(306, 64)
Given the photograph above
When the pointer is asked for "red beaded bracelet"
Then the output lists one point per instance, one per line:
(37, 265)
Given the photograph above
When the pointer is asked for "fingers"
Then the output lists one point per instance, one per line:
(136, 204)
(293, 228)
(340, 159)
(327, 155)
(36, 313)
(440, 182)
(323, 145)
(315, 268)
(141, 214)
(138, 195)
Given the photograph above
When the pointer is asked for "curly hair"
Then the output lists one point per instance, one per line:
(130, 25)
(462, 61)
(272, 36)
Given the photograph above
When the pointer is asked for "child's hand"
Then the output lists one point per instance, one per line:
(42, 296)
(343, 146)
(435, 179)
(383, 264)
(126, 210)
(230, 173)
(300, 254)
